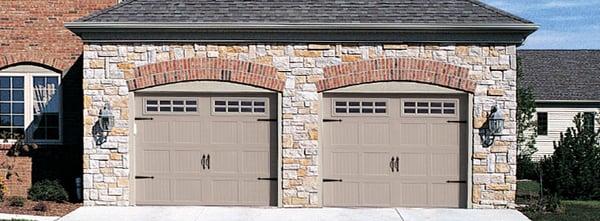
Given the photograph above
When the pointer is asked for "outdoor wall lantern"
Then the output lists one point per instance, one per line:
(495, 125)
(106, 121)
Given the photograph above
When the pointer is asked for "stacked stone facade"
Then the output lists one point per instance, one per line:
(107, 67)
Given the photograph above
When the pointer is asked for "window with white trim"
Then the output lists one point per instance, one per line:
(30, 106)
(429, 107)
(168, 105)
(239, 105)
(359, 107)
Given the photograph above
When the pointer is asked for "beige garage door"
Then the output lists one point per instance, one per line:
(400, 150)
(208, 149)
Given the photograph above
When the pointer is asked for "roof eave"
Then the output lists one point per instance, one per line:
(310, 32)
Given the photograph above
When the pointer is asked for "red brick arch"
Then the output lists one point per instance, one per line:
(214, 69)
(38, 58)
(396, 69)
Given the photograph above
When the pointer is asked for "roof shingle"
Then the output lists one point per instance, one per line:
(562, 75)
(305, 11)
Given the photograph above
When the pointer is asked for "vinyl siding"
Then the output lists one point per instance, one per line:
(559, 119)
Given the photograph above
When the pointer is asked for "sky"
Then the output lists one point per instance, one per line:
(564, 24)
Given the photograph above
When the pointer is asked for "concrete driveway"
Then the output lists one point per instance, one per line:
(200, 213)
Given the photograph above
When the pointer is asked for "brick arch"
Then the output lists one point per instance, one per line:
(211, 69)
(36, 58)
(396, 69)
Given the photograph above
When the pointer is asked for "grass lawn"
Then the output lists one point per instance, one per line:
(571, 210)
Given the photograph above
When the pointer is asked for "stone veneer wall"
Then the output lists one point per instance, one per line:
(106, 167)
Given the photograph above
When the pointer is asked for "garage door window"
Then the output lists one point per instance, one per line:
(429, 107)
(255, 106)
(360, 107)
(171, 105)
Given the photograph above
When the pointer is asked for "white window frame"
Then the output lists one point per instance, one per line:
(240, 99)
(146, 112)
(360, 100)
(28, 98)
(429, 114)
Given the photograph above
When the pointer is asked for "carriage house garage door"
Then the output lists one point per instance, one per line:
(394, 150)
(205, 149)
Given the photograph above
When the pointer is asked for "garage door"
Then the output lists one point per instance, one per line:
(384, 151)
(208, 149)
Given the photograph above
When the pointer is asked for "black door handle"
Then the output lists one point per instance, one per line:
(268, 178)
(456, 181)
(397, 164)
(392, 164)
(144, 177)
(331, 180)
(203, 161)
(208, 161)
(332, 120)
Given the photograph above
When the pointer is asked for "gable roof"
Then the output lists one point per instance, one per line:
(305, 11)
(562, 75)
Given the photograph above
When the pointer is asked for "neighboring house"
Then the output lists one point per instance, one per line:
(40, 89)
(297, 103)
(564, 83)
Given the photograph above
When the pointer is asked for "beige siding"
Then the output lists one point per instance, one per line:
(559, 119)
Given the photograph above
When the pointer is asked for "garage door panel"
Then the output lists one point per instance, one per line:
(414, 194)
(187, 190)
(222, 162)
(342, 194)
(224, 132)
(187, 161)
(345, 163)
(253, 132)
(415, 134)
(154, 191)
(255, 162)
(156, 161)
(445, 134)
(376, 164)
(154, 132)
(377, 194)
(186, 132)
(426, 144)
(413, 164)
(170, 147)
(224, 191)
(346, 133)
(444, 194)
(444, 164)
(376, 133)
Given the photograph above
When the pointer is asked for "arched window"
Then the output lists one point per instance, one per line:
(30, 104)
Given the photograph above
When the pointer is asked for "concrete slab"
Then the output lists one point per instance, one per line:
(410, 214)
(6, 216)
(206, 213)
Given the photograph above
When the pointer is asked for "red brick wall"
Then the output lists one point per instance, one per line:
(33, 30)
(18, 184)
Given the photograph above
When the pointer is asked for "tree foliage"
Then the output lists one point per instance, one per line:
(573, 171)
(526, 125)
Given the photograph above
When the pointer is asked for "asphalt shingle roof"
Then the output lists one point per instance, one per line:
(305, 11)
(562, 74)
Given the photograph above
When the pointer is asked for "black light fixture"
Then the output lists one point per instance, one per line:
(106, 121)
(495, 126)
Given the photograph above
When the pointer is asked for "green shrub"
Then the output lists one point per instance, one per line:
(573, 171)
(527, 168)
(16, 201)
(48, 190)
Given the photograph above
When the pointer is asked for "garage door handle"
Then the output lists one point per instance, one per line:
(270, 120)
(203, 162)
(332, 120)
(457, 121)
(456, 181)
(268, 178)
(144, 118)
(208, 161)
(392, 164)
(331, 180)
(397, 164)
(144, 177)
